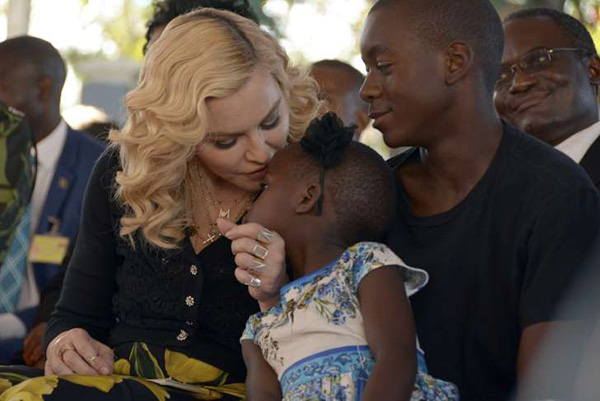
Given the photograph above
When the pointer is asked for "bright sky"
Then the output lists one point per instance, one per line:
(314, 32)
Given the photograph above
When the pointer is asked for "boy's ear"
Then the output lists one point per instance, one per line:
(459, 58)
(307, 202)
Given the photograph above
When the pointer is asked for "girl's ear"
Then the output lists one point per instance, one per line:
(307, 202)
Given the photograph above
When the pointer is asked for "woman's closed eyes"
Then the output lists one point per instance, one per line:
(224, 142)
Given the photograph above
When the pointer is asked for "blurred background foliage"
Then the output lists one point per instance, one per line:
(125, 29)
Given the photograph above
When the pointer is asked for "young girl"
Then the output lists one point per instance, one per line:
(343, 328)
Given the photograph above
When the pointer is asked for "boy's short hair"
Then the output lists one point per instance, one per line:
(440, 22)
(357, 180)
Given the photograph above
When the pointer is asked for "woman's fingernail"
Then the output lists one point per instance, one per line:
(104, 370)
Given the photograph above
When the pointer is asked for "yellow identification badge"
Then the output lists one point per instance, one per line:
(48, 249)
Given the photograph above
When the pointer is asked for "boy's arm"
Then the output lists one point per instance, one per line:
(261, 381)
(390, 332)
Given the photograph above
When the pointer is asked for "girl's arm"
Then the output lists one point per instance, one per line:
(261, 382)
(390, 332)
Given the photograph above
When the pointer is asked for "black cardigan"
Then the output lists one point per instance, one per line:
(176, 299)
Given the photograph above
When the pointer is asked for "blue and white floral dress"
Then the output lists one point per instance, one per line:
(314, 338)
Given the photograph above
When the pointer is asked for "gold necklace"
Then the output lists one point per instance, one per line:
(195, 180)
(223, 213)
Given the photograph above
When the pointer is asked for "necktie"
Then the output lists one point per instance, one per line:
(15, 265)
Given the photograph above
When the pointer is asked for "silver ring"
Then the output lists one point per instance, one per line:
(257, 266)
(92, 359)
(254, 282)
(260, 251)
(265, 236)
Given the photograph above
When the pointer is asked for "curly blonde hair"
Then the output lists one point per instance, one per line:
(204, 54)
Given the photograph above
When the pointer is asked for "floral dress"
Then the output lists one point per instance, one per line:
(314, 338)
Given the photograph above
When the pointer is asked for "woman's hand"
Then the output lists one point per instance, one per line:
(75, 352)
(260, 257)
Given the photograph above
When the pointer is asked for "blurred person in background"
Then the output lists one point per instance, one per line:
(339, 87)
(548, 86)
(32, 75)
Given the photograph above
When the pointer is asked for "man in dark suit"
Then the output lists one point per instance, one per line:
(549, 83)
(32, 75)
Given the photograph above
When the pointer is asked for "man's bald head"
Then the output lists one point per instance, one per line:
(339, 85)
(32, 74)
(36, 52)
(441, 22)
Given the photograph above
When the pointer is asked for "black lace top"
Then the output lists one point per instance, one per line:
(176, 299)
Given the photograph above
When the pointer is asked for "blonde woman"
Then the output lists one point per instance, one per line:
(151, 290)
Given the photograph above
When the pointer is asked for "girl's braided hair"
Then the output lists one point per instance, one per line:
(326, 141)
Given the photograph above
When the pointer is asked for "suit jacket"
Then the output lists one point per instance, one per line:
(64, 200)
(591, 162)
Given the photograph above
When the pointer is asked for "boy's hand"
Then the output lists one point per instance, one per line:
(260, 257)
(33, 351)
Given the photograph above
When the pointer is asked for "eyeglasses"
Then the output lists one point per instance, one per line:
(531, 62)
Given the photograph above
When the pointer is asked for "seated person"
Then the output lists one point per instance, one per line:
(339, 86)
(554, 95)
(32, 75)
(150, 300)
(343, 328)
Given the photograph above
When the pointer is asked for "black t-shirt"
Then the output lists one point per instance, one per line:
(499, 261)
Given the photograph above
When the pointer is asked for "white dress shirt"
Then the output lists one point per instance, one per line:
(49, 150)
(577, 145)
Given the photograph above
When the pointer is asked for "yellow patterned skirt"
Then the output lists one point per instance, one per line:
(140, 377)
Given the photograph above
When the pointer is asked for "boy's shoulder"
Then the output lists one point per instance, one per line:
(524, 170)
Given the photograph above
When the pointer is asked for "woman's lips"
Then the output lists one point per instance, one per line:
(258, 174)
